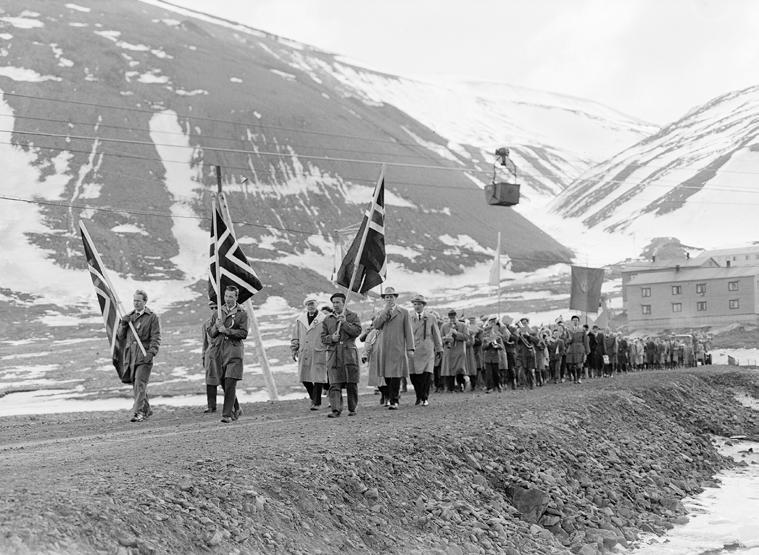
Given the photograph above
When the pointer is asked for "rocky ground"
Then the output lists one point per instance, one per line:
(560, 469)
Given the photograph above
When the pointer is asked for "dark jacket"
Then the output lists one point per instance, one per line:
(148, 330)
(342, 355)
(231, 350)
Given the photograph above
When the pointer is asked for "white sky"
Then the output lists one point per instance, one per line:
(654, 59)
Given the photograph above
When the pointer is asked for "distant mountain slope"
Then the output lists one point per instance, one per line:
(696, 172)
(125, 108)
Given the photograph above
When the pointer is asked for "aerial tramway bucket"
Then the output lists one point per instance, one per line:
(504, 190)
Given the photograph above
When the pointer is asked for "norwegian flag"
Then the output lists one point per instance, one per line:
(225, 251)
(106, 296)
(368, 248)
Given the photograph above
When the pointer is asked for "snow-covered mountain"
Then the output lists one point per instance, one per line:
(117, 112)
(694, 180)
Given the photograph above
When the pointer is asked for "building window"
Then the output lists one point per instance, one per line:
(645, 291)
(734, 304)
(677, 289)
(677, 307)
(732, 285)
(701, 289)
(646, 309)
(701, 306)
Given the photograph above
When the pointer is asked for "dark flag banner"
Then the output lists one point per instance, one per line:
(368, 248)
(586, 288)
(106, 299)
(234, 267)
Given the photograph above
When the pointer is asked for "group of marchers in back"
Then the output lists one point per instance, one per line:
(459, 352)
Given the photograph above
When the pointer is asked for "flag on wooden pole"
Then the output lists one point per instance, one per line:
(233, 267)
(586, 288)
(365, 264)
(495, 269)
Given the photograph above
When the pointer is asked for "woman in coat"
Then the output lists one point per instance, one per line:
(309, 351)
(578, 348)
(454, 350)
(428, 346)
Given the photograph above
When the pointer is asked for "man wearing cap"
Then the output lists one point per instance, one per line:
(578, 348)
(454, 351)
(309, 352)
(339, 332)
(210, 356)
(428, 348)
(396, 345)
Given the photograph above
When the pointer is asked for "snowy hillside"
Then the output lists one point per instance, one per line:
(118, 111)
(694, 180)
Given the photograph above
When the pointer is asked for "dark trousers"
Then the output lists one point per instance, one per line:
(230, 397)
(421, 383)
(492, 375)
(211, 396)
(336, 396)
(437, 379)
(393, 389)
(140, 388)
(314, 392)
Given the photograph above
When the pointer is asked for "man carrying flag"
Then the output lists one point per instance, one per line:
(365, 264)
(136, 329)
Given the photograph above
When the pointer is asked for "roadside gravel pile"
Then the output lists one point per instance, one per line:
(562, 469)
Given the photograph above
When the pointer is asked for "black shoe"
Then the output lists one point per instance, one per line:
(352, 413)
(226, 419)
(236, 414)
(314, 407)
(333, 414)
(208, 410)
(418, 402)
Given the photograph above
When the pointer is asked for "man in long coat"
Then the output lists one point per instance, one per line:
(396, 345)
(309, 352)
(210, 356)
(454, 350)
(136, 364)
(339, 332)
(428, 348)
(578, 348)
(233, 329)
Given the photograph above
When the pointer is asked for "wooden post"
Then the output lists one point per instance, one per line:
(271, 386)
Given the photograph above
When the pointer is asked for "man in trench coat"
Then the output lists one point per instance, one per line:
(397, 345)
(454, 338)
(339, 332)
(135, 364)
(233, 329)
(428, 349)
(309, 352)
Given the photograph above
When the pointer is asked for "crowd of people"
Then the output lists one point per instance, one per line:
(456, 353)
(452, 354)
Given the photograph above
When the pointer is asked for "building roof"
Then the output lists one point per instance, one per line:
(748, 249)
(693, 274)
(667, 263)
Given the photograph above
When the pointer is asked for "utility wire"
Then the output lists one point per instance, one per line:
(163, 215)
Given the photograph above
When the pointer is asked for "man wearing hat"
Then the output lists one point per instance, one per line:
(428, 347)
(454, 351)
(396, 345)
(309, 352)
(492, 346)
(210, 356)
(339, 332)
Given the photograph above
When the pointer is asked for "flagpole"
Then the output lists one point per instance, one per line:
(361, 245)
(119, 307)
(271, 386)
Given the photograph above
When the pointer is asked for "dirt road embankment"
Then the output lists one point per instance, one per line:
(563, 468)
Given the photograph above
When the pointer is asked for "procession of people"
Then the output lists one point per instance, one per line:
(489, 353)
